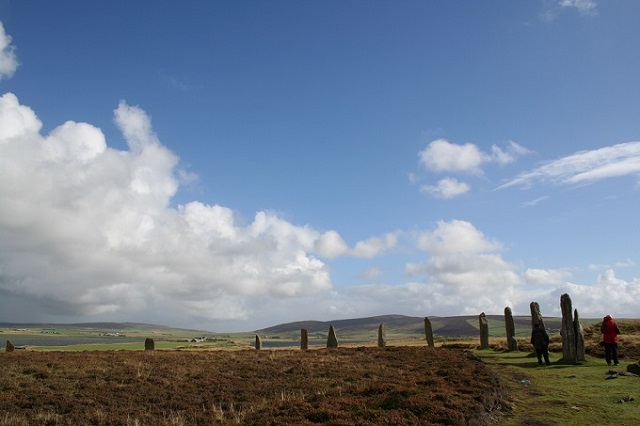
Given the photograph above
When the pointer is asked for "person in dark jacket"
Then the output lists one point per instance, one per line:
(610, 331)
(540, 341)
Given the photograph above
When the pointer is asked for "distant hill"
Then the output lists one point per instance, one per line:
(454, 326)
(89, 325)
(397, 326)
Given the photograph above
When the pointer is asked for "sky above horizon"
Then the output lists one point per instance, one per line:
(234, 165)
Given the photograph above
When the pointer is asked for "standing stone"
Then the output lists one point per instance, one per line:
(536, 317)
(568, 333)
(149, 344)
(332, 340)
(512, 343)
(304, 339)
(382, 336)
(484, 331)
(428, 331)
(10, 347)
(577, 326)
(258, 343)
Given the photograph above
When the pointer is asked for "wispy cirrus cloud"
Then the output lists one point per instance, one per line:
(584, 167)
(582, 7)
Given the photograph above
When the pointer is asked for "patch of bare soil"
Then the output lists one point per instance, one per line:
(345, 386)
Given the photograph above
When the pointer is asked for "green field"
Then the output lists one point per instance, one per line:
(565, 395)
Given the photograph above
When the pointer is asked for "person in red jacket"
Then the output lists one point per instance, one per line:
(610, 331)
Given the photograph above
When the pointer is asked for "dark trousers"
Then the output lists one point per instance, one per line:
(543, 352)
(611, 352)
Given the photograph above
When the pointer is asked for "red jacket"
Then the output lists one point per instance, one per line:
(609, 330)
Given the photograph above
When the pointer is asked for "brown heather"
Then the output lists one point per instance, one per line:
(344, 386)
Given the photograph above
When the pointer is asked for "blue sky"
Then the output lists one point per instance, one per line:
(233, 165)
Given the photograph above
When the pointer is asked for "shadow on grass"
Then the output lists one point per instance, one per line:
(522, 360)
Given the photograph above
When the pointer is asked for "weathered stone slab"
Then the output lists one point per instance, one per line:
(428, 331)
(577, 326)
(382, 336)
(304, 339)
(149, 344)
(567, 331)
(512, 343)
(332, 340)
(484, 331)
(9, 347)
(258, 343)
(536, 316)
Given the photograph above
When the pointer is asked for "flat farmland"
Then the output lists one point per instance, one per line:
(344, 386)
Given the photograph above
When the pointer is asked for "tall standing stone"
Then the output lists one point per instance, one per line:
(568, 333)
(512, 343)
(258, 343)
(577, 326)
(149, 344)
(382, 336)
(9, 347)
(332, 340)
(304, 339)
(428, 331)
(536, 316)
(484, 331)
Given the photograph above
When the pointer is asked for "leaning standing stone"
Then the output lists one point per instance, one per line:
(512, 343)
(332, 340)
(484, 331)
(382, 336)
(149, 344)
(10, 347)
(304, 339)
(428, 331)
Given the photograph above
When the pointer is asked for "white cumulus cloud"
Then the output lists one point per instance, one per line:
(8, 59)
(446, 188)
(330, 245)
(444, 156)
(546, 276)
(86, 229)
(374, 246)
(456, 237)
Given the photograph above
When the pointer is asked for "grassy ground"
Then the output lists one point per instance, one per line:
(562, 394)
